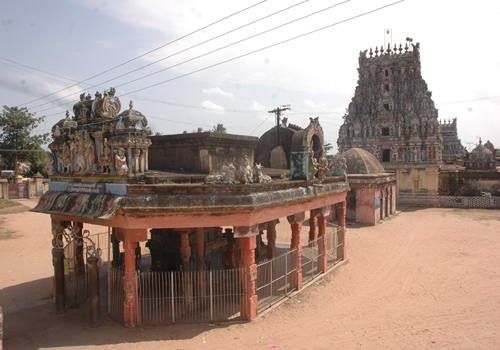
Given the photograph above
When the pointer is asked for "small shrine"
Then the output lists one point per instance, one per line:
(99, 141)
(481, 158)
(184, 237)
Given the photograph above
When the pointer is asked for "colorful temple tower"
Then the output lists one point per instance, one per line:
(453, 151)
(393, 117)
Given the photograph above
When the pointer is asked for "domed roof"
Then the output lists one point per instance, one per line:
(480, 153)
(360, 161)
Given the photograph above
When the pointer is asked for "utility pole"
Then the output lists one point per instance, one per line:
(278, 111)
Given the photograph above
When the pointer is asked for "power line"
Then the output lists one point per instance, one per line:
(147, 53)
(264, 48)
(472, 100)
(261, 49)
(202, 55)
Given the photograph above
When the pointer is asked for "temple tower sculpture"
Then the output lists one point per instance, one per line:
(393, 117)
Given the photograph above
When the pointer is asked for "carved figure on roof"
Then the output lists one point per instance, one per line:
(246, 171)
(226, 178)
(340, 168)
(49, 167)
(89, 152)
(79, 150)
(121, 161)
(66, 159)
(323, 168)
(261, 178)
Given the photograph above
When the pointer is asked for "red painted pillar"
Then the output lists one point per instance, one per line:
(200, 249)
(200, 258)
(296, 225)
(322, 215)
(130, 286)
(312, 226)
(271, 239)
(130, 238)
(248, 242)
(341, 211)
(185, 250)
(187, 281)
(248, 245)
(322, 256)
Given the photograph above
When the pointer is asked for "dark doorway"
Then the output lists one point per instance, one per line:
(386, 155)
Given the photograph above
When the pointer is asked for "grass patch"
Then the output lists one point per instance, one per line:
(6, 234)
(9, 207)
(5, 203)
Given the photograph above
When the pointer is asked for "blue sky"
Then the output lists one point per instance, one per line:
(51, 48)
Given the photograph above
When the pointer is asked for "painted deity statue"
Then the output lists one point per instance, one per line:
(121, 162)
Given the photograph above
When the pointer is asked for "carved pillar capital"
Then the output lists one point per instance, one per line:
(296, 218)
(246, 231)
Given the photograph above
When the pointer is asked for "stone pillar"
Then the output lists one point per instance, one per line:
(130, 238)
(58, 262)
(185, 250)
(187, 280)
(200, 257)
(200, 249)
(322, 215)
(312, 226)
(271, 239)
(247, 237)
(296, 225)
(341, 210)
(93, 292)
(130, 309)
(38, 185)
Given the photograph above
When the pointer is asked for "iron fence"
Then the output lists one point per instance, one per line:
(274, 279)
(116, 294)
(334, 245)
(310, 260)
(181, 297)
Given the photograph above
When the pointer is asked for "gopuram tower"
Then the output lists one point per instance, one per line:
(393, 117)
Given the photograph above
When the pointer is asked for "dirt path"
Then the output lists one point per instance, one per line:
(425, 279)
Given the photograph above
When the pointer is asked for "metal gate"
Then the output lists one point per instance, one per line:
(19, 190)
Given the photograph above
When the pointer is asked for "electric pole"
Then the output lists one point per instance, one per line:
(278, 111)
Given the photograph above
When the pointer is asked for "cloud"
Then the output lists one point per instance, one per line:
(212, 106)
(310, 103)
(257, 106)
(218, 91)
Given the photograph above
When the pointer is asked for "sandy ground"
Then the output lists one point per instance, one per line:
(424, 279)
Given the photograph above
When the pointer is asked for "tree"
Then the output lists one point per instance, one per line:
(16, 142)
(150, 132)
(219, 128)
(328, 147)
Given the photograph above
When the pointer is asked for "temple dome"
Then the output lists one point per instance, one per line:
(360, 161)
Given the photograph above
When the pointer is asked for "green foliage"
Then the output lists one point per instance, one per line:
(485, 194)
(219, 128)
(283, 176)
(150, 132)
(16, 142)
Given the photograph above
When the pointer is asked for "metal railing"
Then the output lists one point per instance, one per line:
(273, 279)
(180, 297)
(274, 276)
(116, 294)
(310, 264)
(334, 245)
